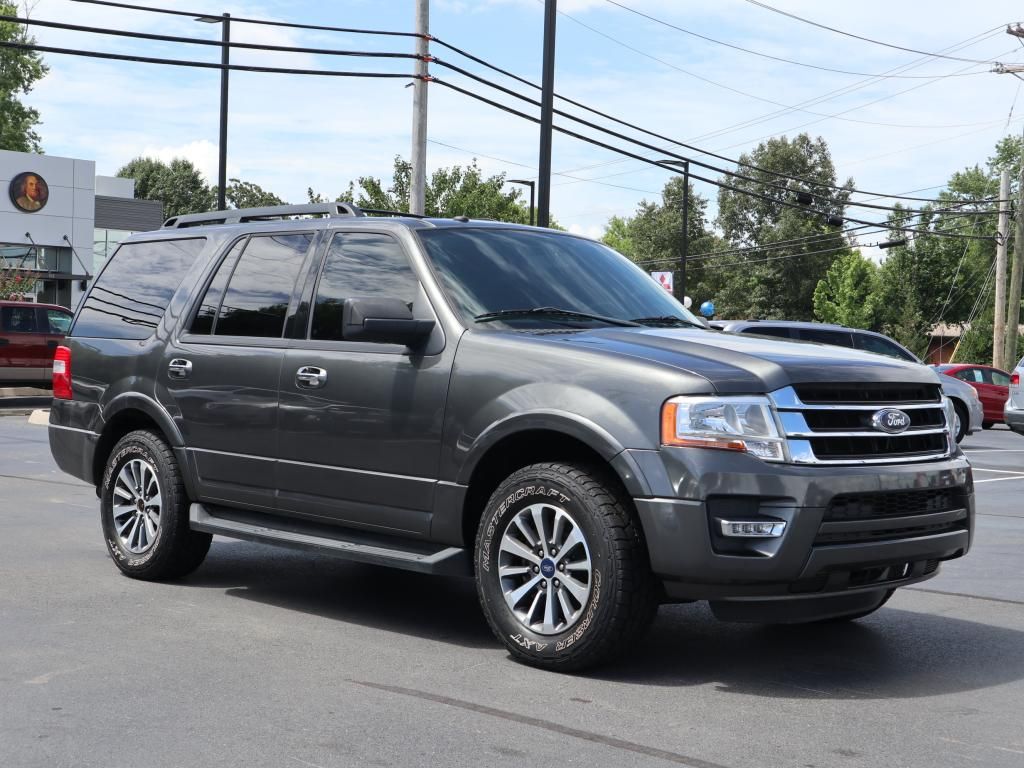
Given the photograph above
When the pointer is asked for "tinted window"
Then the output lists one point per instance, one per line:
(203, 321)
(261, 286)
(836, 338)
(57, 321)
(1000, 379)
(360, 265)
(972, 375)
(132, 293)
(759, 330)
(19, 319)
(489, 270)
(881, 346)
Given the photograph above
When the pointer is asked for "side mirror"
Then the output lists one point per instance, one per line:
(385, 321)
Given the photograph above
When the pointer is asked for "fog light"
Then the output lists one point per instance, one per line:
(752, 529)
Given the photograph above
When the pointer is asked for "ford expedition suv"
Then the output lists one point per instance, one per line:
(518, 405)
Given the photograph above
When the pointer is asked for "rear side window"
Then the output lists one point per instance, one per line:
(360, 265)
(19, 319)
(972, 375)
(881, 346)
(58, 322)
(261, 286)
(999, 378)
(836, 338)
(130, 296)
(761, 330)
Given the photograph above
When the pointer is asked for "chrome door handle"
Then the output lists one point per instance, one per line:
(310, 377)
(179, 368)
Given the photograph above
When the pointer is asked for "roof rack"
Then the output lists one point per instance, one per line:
(268, 213)
(273, 212)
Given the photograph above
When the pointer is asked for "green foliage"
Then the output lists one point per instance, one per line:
(245, 194)
(454, 191)
(848, 294)
(617, 235)
(178, 184)
(779, 282)
(19, 71)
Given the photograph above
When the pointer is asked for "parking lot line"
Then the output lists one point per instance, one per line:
(999, 479)
(994, 450)
(1001, 471)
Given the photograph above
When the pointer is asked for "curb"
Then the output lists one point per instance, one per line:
(39, 416)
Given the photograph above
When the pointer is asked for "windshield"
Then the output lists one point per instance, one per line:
(488, 271)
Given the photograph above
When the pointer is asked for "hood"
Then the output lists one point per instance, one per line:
(748, 364)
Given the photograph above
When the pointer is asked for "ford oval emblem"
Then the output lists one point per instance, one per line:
(890, 420)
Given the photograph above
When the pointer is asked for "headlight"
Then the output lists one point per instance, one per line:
(727, 423)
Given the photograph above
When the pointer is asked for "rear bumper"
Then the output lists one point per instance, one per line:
(815, 555)
(73, 450)
(1014, 418)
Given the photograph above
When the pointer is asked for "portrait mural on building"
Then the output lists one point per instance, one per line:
(29, 192)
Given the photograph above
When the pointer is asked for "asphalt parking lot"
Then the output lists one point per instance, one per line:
(273, 658)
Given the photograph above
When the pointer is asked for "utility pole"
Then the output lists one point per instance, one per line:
(1003, 235)
(418, 182)
(1013, 307)
(225, 60)
(547, 103)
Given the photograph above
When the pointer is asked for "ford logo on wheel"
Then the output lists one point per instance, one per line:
(890, 420)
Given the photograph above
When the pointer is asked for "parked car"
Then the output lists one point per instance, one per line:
(965, 399)
(1013, 411)
(522, 406)
(992, 385)
(29, 334)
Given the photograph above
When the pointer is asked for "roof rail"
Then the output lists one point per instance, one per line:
(382, 212)
(268, 213)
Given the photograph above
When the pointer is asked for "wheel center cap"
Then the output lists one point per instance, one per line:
(547, 567)
(140, 506)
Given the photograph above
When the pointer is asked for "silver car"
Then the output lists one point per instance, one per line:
(1013, 411)
(969, 413)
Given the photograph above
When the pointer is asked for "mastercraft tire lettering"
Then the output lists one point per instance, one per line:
(562, 569)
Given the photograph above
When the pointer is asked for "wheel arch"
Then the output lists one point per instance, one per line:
(125, 414)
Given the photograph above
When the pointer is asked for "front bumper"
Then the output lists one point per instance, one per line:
(1014, 418)
(692, 488)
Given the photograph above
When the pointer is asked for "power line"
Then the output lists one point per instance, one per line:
(780, 58)
(635, 156)
(861, 37)
(238, 19)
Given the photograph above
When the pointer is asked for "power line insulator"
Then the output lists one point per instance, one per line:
(834, 220)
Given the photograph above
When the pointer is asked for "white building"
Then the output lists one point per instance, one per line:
(59, 221)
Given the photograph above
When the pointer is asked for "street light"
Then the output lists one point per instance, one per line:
(683, 252)
(530, 184)
(225, 56)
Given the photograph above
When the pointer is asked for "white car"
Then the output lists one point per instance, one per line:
(1013, 411)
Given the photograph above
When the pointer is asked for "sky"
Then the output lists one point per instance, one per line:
(290, 133)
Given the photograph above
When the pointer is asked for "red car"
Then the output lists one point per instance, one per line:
(992, 384)
(29, 335)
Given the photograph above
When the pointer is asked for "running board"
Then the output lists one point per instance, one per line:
(361, 546)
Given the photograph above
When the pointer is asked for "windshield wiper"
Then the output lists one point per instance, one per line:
(487, 317)
(666, 320)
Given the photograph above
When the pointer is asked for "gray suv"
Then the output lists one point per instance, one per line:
(964, 397)
(521, 406)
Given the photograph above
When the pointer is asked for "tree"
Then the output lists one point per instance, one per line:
(847, 295)
(246, 194)
(454, 191)
(19, 71)
(618, 235)
(178, 185)
(786, 251)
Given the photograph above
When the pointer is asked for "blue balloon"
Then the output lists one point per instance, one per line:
(707, 308)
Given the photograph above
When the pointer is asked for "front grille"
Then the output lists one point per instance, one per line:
(889, 532)
(872, 446)
(866, 506)
(883, 394)
(833, 423)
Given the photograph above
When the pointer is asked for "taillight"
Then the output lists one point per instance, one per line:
(1015, 379)
(62, 374)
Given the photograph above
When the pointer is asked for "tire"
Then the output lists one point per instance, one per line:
(987, 424)
(963, 420)
(147, 534)
(858, 614)
(578, 607)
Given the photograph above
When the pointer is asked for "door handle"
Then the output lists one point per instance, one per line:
(310, 377)
(179, 368)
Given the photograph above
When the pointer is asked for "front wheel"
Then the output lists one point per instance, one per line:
(562, 569)
(144, 511)
(962, 421)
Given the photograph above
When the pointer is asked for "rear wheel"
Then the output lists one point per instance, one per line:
(144, 511)
(562, 569)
